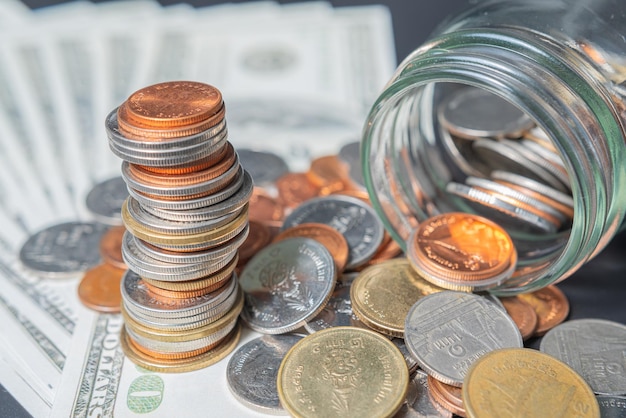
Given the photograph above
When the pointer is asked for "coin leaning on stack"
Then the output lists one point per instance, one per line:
(186, 217)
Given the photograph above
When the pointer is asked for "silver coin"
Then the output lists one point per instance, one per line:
(357, 221)
(203, 213)
(164, 226)
(337, 312)
(477, 113)
(510, 216)
(501, 189)
(195, 321)
(350, 153)
(240, 179)
(446, 332)
(212, 254)
(264, 167)
(63, 250)
(595, 349)
(252, 371)
(418, 401)
(612, 406)
(104, 201)
(140, 300)
(499, 155)
(209, 186)
(151, 268)
(461, 155)
(531, 184)
(556, 170)
(118, 138)
(287, 284)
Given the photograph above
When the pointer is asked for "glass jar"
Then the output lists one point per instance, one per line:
(561, 62)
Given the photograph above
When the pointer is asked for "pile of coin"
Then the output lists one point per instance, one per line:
(508, 169)
(186, 217)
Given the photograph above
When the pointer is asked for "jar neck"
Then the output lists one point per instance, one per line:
(557, 87)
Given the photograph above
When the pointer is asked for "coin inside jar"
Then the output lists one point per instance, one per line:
(461, 251)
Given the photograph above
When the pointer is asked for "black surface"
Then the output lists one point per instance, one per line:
(598, 289)
(9, 407)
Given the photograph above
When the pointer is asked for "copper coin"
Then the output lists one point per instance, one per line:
(522, 313)
(140, 132)
(111, 247)
(173, 104)
(551, 306)
(295, 188)
(265, 209)
(186, 179)
(191, 167)
(183, 294)
(258, 237)
(447, 396)
(564, 209)
(100, 288)
(326, 235)
(462, 251)
(357, 193)
(329, 173)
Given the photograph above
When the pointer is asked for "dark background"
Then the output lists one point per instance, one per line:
(597, 290)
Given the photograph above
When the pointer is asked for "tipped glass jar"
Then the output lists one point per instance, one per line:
(510, 97)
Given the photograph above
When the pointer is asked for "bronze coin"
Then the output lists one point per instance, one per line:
(522, 313)
(448, 396)
(295, 188)
(141, 132)
(183, 294)
(551, 306)
(388, 249)
(329, 173)
(185, 179)
(326, 235)
(173, 104)
(100, 288)
(265, 209)
(111, 247)
(191, 167)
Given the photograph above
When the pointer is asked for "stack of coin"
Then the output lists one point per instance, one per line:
(186, 217)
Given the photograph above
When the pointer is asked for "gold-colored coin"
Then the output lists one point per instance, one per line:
(521, 382)
(343, 372)
(208, 238)
(201, 361)
(381, 295)
(186, 335)
(461, 251)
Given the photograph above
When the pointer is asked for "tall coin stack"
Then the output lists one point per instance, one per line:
(186, 217)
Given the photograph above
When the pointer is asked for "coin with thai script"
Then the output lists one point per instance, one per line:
(595, 348)
(252, 371)
(612, 406)
(63, 250)
(343, 371)
(287, 284)
(461, 251)
(448, 331)
(382, 295)
(356, 220)
(521, 382)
